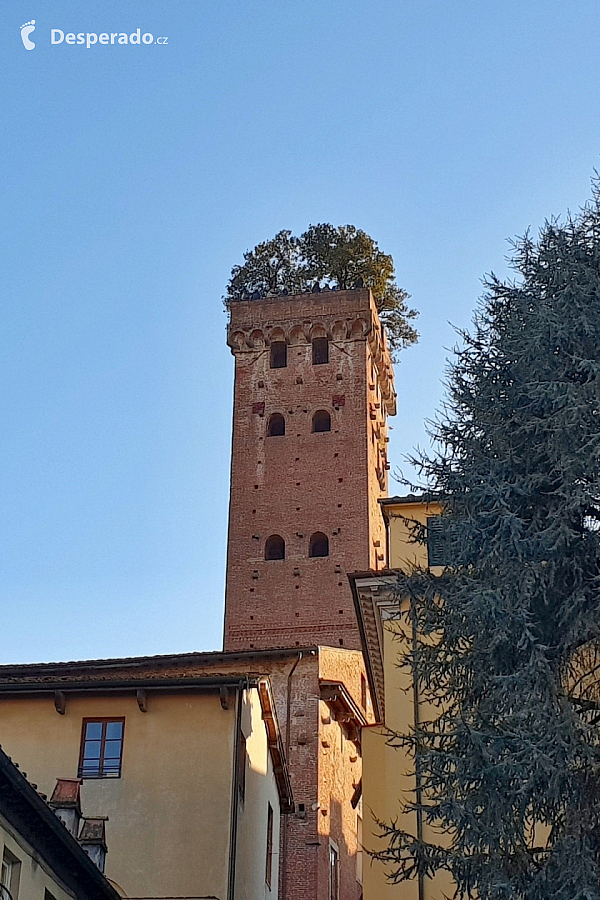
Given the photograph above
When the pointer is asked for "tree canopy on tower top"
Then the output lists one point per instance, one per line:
(334, 257)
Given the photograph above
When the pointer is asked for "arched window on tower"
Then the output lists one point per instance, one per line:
(276, 425)
(321, 421)
(318, 545)
(275, 547)
(278, 355)
(320, 351)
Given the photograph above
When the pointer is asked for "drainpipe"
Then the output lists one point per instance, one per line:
(417, 724)
(235, 800)
(288, 744)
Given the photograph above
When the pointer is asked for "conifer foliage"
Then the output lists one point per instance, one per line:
(507, 640)
(332, 257)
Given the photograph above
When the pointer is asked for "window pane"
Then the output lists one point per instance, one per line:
(93, 731)
(114, 730)
(92, 750)
(112, 750)
(91, 767)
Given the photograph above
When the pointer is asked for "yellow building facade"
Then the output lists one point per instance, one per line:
(183, 759)
(389, 779)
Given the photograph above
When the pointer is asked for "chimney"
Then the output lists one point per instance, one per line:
(92, 838)
(65, 802)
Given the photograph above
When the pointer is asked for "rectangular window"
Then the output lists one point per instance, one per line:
(334, 872)
(278, 355)
(101, 748)
(269, 860)
(9, 878)
(320, 351)
(5, 879)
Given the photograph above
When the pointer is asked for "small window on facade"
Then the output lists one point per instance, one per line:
(334, 872)
(363, 691)
(435, 549)
(275, 547)
(321, 421)
(320, 351)
(101, 748)
(269, 859)
(276, 425)
(5, 877)
(319, 544)
(278, 355)
(9, 879)
(359, 849)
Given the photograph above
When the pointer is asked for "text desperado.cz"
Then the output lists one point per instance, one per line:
(90, 38)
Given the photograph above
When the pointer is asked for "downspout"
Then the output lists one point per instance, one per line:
(417, 725)
(235, 800)
(288, 744)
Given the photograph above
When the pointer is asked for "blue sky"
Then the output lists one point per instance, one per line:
(132, 180)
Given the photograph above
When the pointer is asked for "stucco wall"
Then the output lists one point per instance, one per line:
(388, 780)
(168, 828)
(389, 783)
(402, 548)
(261, 791)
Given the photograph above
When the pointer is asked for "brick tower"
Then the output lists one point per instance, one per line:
(313, 387)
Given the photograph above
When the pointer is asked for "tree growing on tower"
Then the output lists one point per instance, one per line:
(338, 258)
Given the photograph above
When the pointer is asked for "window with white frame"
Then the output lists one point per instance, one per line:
(334, 871)
(9, 877)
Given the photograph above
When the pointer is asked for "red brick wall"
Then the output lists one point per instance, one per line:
(301, 483)
(325, 766)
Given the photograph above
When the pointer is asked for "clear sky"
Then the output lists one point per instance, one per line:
(134, 176)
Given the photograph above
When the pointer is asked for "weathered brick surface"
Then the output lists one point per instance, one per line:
(325, 767)
(299, 483)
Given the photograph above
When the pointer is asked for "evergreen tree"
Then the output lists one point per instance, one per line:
(339, 258)
(507, 649)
